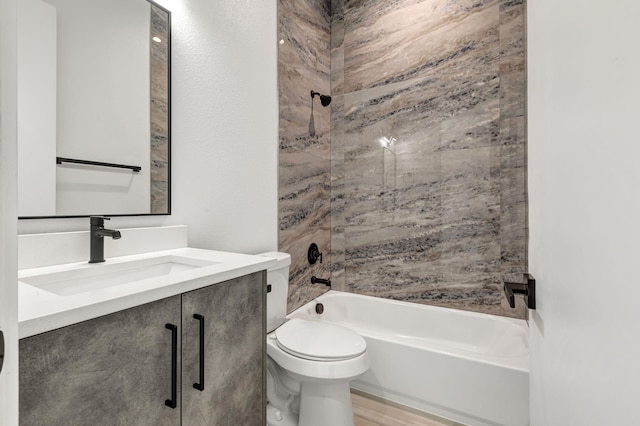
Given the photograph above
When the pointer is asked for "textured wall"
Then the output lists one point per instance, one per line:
(304, 198)
(439, 216)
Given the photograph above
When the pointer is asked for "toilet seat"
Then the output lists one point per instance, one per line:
(313, 370)
(319, 341)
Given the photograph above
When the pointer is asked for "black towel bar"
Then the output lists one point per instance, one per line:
(60, 160)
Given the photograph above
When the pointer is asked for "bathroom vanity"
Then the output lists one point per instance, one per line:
(159, 348)
(117, 369)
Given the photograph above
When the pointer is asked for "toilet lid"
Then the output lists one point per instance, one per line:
(320, 341)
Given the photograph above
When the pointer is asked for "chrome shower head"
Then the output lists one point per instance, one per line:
(325, 100)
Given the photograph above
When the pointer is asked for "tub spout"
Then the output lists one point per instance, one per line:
(315, 280)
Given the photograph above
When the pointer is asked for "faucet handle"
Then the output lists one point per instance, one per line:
(98, 220)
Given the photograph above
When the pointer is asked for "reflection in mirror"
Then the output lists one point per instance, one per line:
(93, 86)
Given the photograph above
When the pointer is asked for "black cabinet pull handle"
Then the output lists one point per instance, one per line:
(1, 350)
(200, 386)
(174, 366)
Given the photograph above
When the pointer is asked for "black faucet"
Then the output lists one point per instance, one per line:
(97, 234)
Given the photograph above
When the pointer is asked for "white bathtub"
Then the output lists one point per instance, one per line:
(468, 367)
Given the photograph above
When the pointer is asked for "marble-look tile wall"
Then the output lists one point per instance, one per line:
(305, 180)
(159, 92)
(439, 215)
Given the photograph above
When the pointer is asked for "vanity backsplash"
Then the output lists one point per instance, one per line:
(37, 250)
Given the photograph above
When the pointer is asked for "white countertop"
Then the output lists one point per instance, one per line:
(40, 310)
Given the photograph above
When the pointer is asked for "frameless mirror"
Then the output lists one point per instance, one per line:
(93, 108)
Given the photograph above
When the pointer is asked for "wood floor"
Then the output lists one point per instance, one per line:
(372, 411)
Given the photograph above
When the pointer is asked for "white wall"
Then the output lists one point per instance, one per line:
(37, 108)
(225, 128)
(225, 122)
(584, 189)
(103, 109)
(8, 212)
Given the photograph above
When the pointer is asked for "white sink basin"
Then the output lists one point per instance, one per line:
(100, 276)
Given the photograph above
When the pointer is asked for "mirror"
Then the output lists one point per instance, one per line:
(93, 108)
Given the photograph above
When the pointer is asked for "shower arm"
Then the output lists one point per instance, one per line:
(325, 100)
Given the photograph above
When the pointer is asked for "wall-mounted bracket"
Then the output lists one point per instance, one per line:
(528, 289)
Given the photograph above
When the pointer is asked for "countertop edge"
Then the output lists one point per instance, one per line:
(50, 321)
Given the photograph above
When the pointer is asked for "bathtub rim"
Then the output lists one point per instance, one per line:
(501, 361)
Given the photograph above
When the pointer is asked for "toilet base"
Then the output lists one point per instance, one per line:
(323, 404)
(315, 393)
(276, 417)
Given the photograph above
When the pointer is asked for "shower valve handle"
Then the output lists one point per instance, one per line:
(314, 254)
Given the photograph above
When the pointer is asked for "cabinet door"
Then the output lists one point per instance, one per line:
(113, 370)
(234, 337)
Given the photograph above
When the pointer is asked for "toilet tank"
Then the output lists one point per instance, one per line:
(278, 279)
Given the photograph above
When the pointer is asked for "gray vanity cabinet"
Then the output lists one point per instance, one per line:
(232, 315)
(112, 370)
(117, 369)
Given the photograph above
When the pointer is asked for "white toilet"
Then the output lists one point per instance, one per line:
(309, 364)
